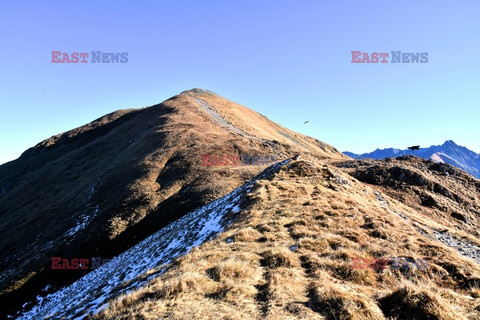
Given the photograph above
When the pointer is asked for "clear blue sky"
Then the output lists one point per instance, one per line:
(289, 60)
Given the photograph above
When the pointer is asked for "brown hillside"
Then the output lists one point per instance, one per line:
(288, 255)
(99, 189)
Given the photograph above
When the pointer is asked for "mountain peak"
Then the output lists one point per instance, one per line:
(450, 143)
(448, 152)
(126, 175)
(199, 91)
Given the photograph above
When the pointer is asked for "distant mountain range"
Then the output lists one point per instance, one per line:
(449, 152)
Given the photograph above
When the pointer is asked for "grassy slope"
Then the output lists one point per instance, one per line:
(127, 174)
(288, 256)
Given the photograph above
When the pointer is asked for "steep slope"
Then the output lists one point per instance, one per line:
(99, 189)
(287, 252)
(143, 262)
(449, 152)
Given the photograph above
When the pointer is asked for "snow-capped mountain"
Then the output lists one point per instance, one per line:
(449, 152)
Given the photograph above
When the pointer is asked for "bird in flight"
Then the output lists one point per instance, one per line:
(414, 147)
(306, 122)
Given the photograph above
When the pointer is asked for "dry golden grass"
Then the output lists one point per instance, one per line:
(288, 256)
(259, 126)
(128, 173)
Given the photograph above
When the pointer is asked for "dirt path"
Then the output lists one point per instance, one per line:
(464, 247)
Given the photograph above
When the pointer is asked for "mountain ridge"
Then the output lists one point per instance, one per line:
(449, 152)
(286, 251)
(184, 240)
(98, 189)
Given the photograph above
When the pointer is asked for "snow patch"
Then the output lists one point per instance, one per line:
(436, 158)
(82, 223)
